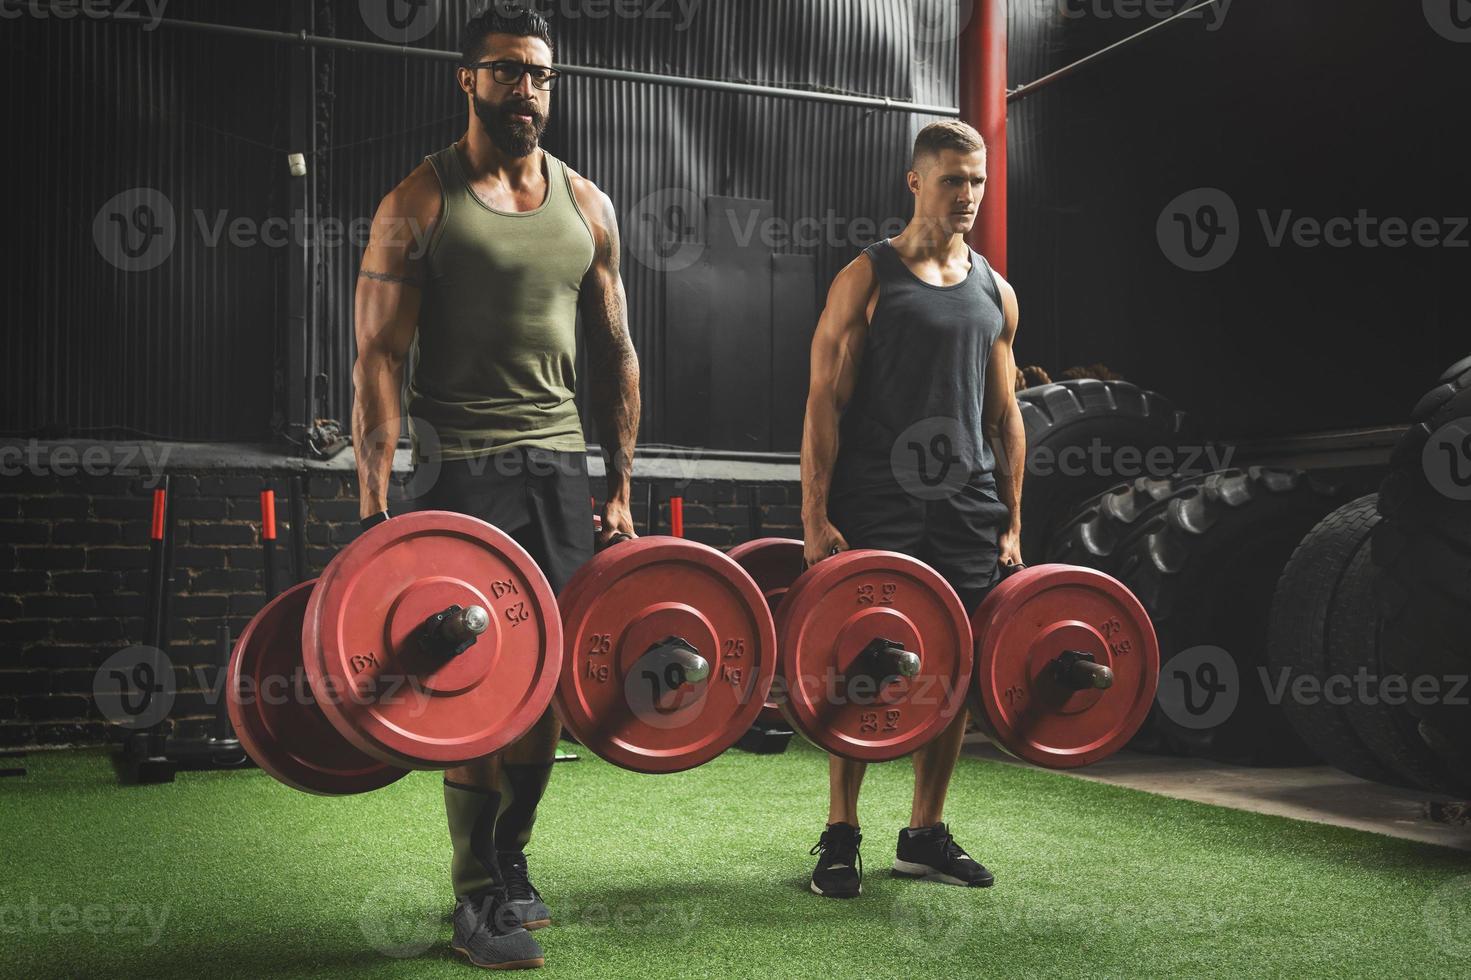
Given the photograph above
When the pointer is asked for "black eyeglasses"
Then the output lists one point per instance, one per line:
(510, 72)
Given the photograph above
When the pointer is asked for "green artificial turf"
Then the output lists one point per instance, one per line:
(704, 874)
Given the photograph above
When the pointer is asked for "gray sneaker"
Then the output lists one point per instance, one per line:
(487, 936)
(523, 902)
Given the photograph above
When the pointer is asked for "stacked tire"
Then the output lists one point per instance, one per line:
(1422, 557)
(1325, 643)
(1069, 425)
(1203, 553)
(1371, 630)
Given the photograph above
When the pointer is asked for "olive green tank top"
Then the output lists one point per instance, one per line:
(493, 365)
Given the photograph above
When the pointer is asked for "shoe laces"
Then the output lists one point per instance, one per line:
(840, 847)
(948, 847)
(518, 881)
(490, 910)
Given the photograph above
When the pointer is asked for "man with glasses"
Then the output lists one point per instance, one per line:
(478, 267)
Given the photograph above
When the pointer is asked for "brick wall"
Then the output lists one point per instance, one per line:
(74, 575)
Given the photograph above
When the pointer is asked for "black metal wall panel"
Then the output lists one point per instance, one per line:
(1315, 108)
(830, 164)
(194, 347)
(139, 313)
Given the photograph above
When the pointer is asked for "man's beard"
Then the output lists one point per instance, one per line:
(512, 137)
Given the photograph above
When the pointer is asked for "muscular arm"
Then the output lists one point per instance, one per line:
(613, 385)
(386, 318)
(837, 352)
(1002, 422)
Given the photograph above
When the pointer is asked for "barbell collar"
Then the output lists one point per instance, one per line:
(1079, 671)
(450, 633)
(679, 652)
(886, 660)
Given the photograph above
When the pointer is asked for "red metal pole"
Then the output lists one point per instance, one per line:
(983, 105)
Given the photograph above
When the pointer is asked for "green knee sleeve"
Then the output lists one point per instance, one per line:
(472, 814)
(522, 788)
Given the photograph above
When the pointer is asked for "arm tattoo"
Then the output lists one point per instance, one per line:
(612, 361)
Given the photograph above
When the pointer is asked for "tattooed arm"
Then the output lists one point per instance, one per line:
(613, 385)
(387, 316)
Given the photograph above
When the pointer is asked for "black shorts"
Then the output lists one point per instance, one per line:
(540, 497)
(958, 536)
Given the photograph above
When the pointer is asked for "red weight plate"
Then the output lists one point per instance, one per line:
(615, 695)
(836, 611)
(774, 563)
(1022, 629)
(382, 690)
(276, 716)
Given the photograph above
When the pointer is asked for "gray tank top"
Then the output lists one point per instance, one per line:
(917, 405)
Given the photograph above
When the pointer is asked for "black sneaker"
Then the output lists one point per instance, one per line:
(523, 901)
(932, 854)
(839, 871)
(487, 936)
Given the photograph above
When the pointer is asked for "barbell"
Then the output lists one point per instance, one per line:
(434, 639)
(1058, 665)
